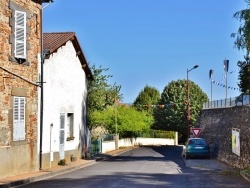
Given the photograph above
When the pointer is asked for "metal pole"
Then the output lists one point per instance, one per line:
(41, 85)
(226, 91)
(188, 105)
(115, 117)
(188, 101)
(116, 136)
(226, 65)
(211, 90)
(41, 97)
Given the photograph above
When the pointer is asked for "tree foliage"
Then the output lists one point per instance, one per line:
(173, 117)
(148, 96)
(242, 42)
(242, 37)
(100, 93)
(244, 75)
(130, 122)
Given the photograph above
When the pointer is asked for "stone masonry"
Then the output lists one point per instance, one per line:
(19, 79)
(217, 127)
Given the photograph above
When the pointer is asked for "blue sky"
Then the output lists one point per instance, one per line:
(153, 42)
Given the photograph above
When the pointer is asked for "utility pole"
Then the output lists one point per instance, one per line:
(116, 131)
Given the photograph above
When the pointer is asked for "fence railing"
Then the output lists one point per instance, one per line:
(223, 103)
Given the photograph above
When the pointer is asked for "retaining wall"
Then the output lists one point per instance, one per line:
(217, 127)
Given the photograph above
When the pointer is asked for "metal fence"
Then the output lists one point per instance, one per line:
(96, 145)
(223, 103)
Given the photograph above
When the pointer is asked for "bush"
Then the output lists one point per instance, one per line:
(62, 162)
(158, 134)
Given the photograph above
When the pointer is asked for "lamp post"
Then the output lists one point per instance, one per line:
(188, 100)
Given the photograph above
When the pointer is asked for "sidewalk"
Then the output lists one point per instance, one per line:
(56, 170)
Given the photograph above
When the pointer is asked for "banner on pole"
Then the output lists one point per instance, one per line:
(226, 65)
(211, 72)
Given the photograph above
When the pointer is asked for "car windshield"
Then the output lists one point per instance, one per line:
(197, 142)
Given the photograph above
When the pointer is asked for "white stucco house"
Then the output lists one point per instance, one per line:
(66, 76)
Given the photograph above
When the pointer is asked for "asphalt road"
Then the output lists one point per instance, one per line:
(149, 167)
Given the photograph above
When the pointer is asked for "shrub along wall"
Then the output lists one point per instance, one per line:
(217, 127)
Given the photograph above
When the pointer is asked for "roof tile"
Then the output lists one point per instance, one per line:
(53, 41)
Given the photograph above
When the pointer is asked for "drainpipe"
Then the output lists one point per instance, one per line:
(41, 85)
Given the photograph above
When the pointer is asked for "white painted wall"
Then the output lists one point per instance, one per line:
(110, 145)
(65, 91)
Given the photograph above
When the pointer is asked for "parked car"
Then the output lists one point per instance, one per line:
(196, 147)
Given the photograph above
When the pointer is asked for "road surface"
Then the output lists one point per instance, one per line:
(147, 167)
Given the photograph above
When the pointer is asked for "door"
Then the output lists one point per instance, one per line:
(62, 136)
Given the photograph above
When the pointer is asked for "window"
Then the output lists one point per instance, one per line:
(19, 118)
(70, 122)
(20, 31)
(20, 35)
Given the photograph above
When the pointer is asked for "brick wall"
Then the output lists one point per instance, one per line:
(217, 127)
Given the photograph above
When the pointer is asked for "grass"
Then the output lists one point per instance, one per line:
(247, 171)
(235, 172)
(230, 172)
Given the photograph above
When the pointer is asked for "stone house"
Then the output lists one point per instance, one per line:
(66, 76)
(20, 36)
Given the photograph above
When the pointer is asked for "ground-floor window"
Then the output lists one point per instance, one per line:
(70, 120)
(18, 118)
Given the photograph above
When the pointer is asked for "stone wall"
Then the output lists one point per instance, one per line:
(19, 77)
(217, 127)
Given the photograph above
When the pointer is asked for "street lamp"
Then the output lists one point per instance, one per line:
(188, 100)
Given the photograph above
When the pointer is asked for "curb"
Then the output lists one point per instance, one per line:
(94, 159)
(48, 175)
(245, 176)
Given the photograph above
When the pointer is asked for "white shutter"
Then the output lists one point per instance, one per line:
(16, 119)
(22, 118)
(20, 34)
(62, 120)
(62, 126)
(19, 118)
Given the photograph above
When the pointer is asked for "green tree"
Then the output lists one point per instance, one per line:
(130, 122)
(244, 75)
(242, 36)
(172, 116)
(242, 42)
(147, 97)
(100, 93)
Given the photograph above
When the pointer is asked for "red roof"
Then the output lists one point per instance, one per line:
(53, 41)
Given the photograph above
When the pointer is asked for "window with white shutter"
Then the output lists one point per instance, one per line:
(19, 119)
(20, 34)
